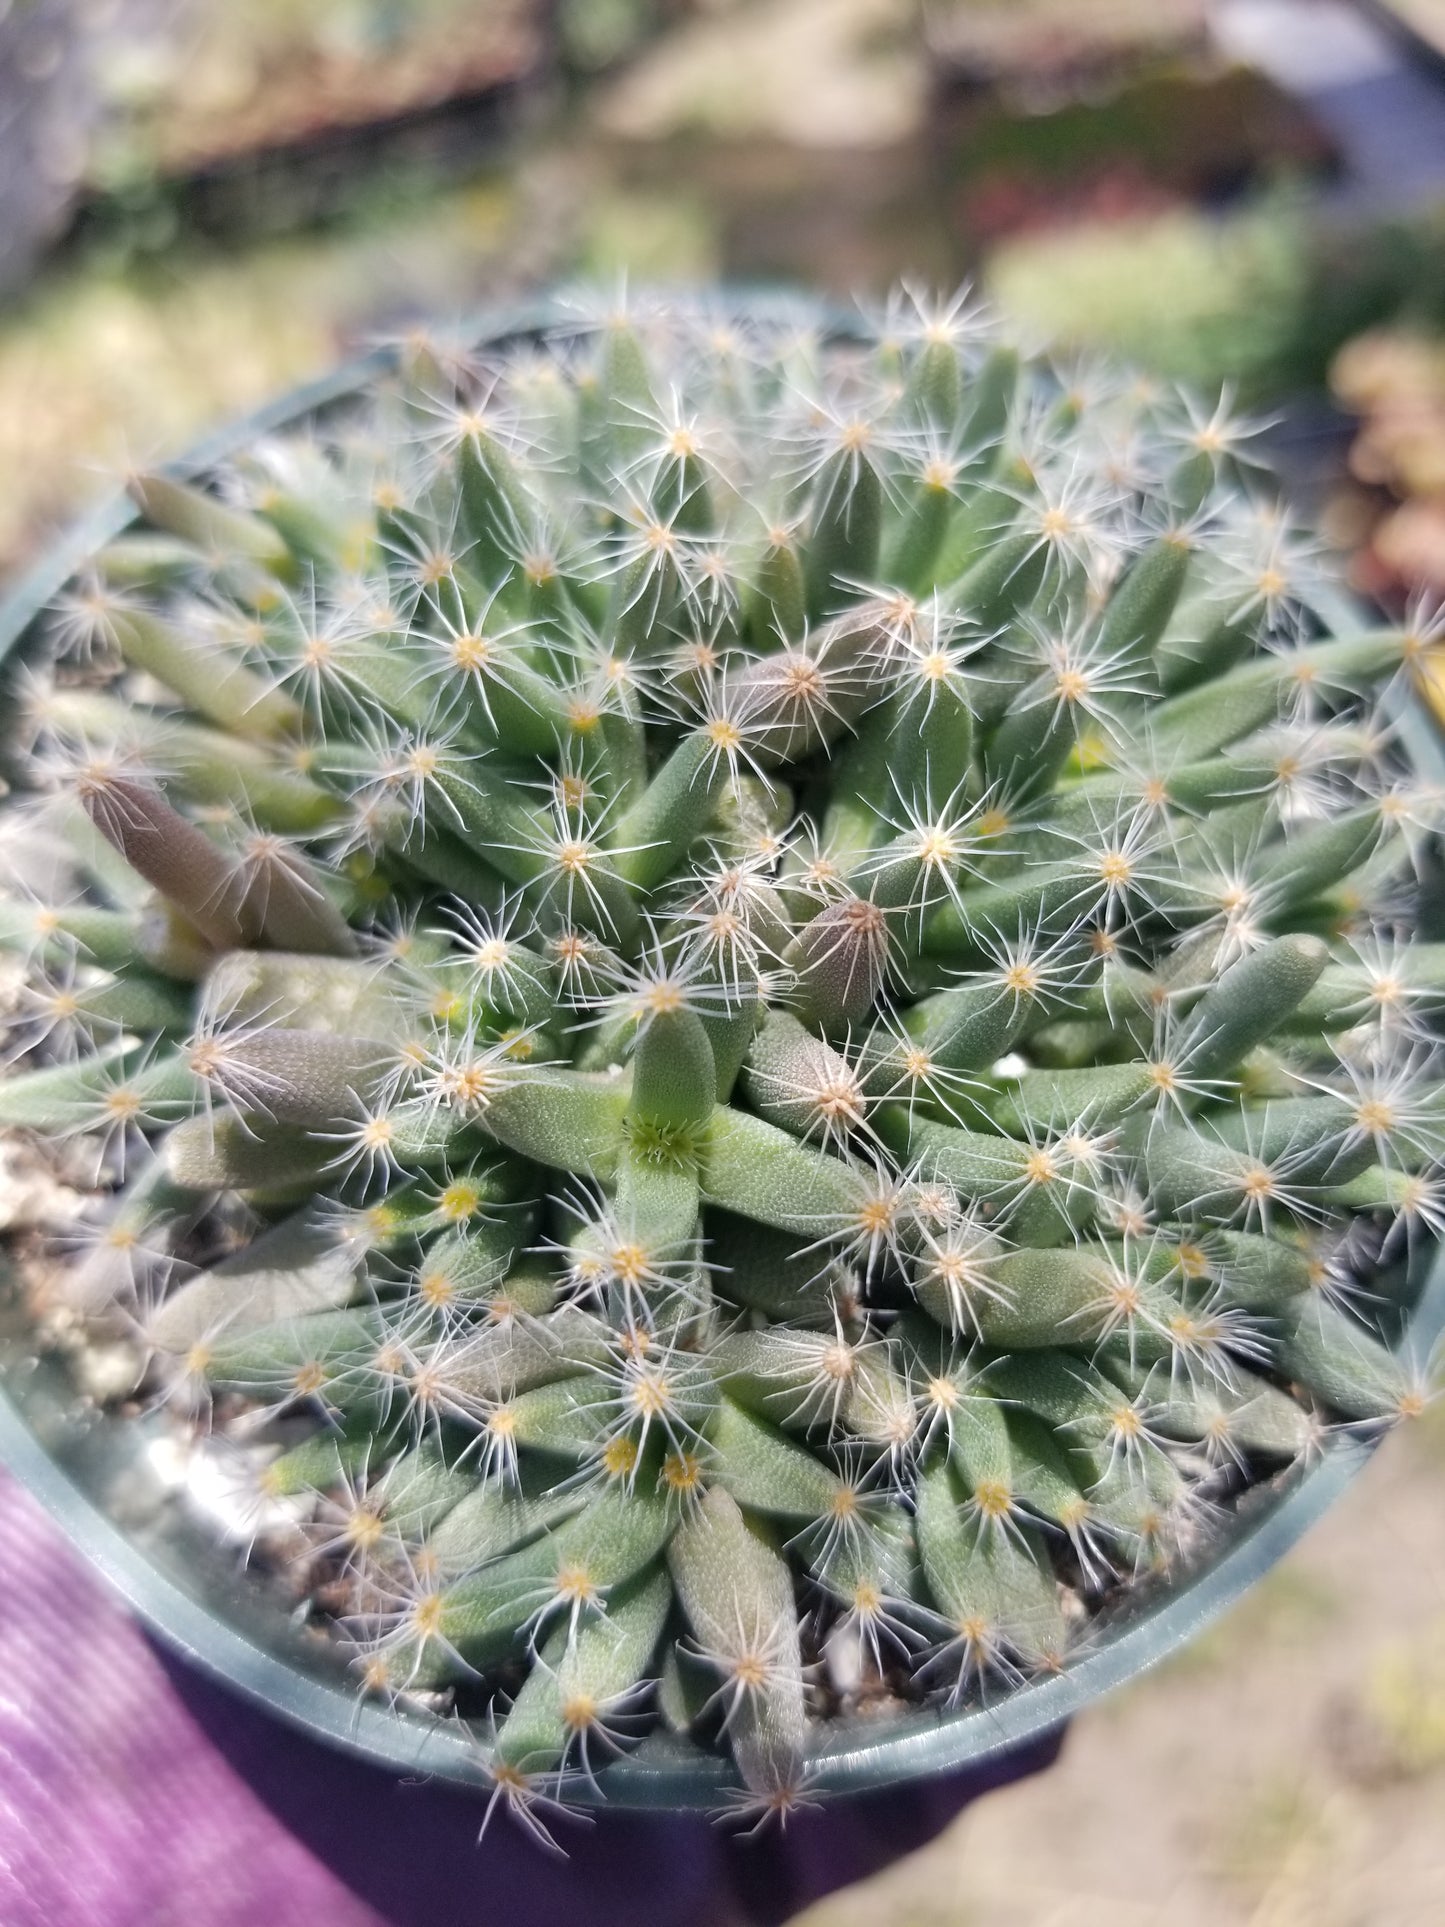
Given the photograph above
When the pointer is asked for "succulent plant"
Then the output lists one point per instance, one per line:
(738, 1002)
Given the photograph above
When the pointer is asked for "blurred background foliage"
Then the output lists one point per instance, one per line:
(202, 200)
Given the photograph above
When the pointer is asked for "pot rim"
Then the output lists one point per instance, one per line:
(39, 1437)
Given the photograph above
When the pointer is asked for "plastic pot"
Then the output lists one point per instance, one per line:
(100, 1480)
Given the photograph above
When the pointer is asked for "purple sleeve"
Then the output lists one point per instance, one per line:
(134, 1790)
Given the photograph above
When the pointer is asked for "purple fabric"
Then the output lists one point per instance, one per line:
(116, 1810)
(135, 1792)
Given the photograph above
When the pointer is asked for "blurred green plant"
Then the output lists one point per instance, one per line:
(1261, 299)
(595, 34)
(1405, 1698)
(666, 236)
(1203, 300)
(102, 365)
